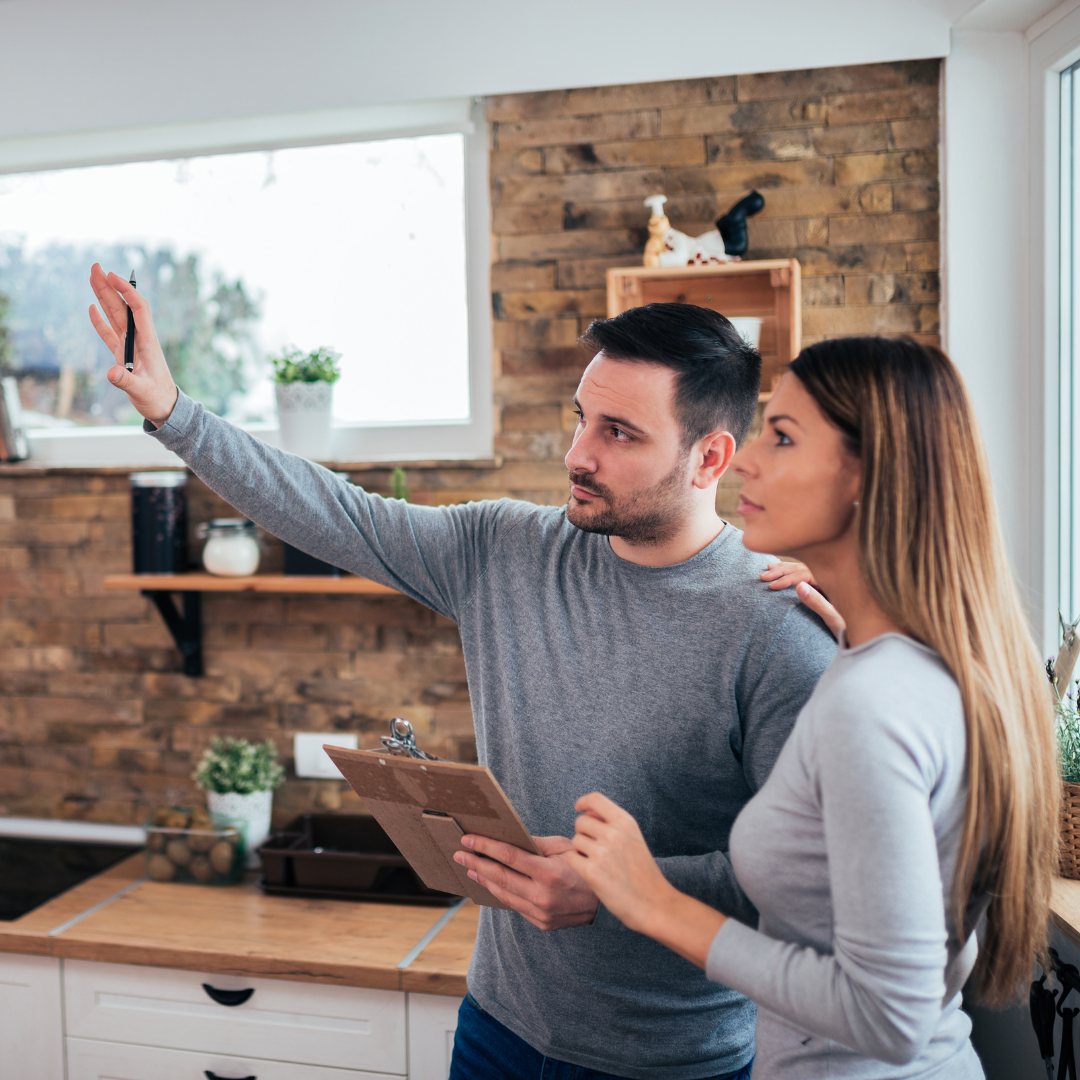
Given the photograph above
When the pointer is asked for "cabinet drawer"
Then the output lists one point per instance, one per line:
(89, 1059)
(342, 1027)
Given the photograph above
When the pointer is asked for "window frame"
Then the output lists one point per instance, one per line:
(1053, 48)
(471, 439)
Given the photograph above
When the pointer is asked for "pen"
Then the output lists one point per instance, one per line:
(129, 340)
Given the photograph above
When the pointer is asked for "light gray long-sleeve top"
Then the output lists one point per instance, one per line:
(671, 689)
(848, 852)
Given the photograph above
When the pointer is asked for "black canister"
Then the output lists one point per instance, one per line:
(159, 522)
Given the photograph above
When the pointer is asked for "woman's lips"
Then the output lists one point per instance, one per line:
(581, 494)
(747, 507)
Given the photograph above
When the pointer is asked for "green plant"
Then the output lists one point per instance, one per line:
(399, 484)
(1068, 728)
(236, 765)
(294, 366)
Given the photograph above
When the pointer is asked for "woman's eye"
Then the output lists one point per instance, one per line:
(782, 439)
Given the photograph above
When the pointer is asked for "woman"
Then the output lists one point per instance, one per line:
(918, 790)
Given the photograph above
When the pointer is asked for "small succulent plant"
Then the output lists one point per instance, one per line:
(236, 765)
(294, 366)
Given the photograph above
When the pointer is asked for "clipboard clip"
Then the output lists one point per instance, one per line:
(402, 741)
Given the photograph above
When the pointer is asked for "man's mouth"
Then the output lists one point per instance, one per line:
(583, 494)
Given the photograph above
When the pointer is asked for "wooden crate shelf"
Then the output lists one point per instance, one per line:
(768, 289)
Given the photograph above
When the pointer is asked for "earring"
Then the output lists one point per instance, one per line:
(855, 503)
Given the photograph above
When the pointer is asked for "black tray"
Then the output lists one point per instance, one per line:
(430, 898)
(343, 856)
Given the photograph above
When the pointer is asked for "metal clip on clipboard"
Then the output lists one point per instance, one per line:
(402, 741)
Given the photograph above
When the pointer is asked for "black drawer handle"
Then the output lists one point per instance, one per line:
(228, 997)
(214, 1076)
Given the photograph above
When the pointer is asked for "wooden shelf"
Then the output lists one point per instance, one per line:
(766, 288)
(186, 625)
(199, 581)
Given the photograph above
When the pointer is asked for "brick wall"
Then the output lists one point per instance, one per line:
(96, 721)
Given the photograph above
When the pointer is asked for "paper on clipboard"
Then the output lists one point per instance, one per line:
(425, 807)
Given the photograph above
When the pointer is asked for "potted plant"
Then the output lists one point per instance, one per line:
(304, 389)
(239, 778)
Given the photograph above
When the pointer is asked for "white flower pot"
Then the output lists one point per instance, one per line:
(252, 810)
(304, 418)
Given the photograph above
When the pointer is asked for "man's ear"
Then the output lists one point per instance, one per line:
(713, 456)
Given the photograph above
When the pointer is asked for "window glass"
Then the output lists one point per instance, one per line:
(359, 247)
(1069, 384)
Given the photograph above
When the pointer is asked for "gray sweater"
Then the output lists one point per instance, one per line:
(849, 851)
(670, 689)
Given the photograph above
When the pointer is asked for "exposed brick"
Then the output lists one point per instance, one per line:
(882, 228)
(610, 98)
(508, 276)
(816, 82)
(899, 165)
(642, 124)
(572, 243)
(899, 104)
(621, 184)
(554, 302)
(892, 289)
(914, 134)
(536, 361)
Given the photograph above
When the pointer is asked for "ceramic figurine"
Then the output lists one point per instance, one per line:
(732, 226)
(728, 241)
(669, 247)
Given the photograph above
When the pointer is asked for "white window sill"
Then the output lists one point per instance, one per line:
(131, 448)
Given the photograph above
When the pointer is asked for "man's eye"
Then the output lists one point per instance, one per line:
(619, 434)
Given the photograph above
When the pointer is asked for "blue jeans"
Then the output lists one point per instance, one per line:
(484, 1049)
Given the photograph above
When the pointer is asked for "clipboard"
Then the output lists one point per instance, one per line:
(426, 806)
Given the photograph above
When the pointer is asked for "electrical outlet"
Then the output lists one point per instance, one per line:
(310, 757)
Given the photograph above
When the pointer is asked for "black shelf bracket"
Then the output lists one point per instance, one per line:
(186, 629)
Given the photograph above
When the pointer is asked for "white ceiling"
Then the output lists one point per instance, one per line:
(67, 65)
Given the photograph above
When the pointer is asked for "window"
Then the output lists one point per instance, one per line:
(353, 241)
(1069, 376)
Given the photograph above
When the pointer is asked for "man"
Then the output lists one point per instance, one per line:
(623, 643)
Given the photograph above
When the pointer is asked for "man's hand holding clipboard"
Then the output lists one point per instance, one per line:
(462, 835)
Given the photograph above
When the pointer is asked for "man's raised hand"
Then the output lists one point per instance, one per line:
(150, 386)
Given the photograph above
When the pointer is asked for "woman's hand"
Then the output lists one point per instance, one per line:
(782, 575)
(610, 853)
(149, 386)
(822, 608)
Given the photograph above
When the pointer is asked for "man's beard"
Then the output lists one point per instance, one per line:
(651, 516)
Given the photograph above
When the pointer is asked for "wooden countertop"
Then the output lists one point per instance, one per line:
(120, 918)
(1065, 908)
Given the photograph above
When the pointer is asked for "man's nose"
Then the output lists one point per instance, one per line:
(580, 457)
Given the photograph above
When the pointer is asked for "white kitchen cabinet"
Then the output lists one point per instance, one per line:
(432, 1023)
(91, 1059)
(31, 1018)
(310, 1024)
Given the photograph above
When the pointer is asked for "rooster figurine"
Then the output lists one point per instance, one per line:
(728, 241)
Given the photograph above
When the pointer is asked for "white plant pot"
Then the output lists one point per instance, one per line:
(304, 410)
(252, 810)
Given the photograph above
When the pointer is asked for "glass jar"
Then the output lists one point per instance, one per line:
(231, 548)
(159, 522)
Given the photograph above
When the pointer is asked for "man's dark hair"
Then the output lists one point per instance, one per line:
(717, 374)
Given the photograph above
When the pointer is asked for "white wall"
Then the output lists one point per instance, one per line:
(68, 65)
(987, 273)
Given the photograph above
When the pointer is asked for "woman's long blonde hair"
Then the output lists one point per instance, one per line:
(931, 552)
